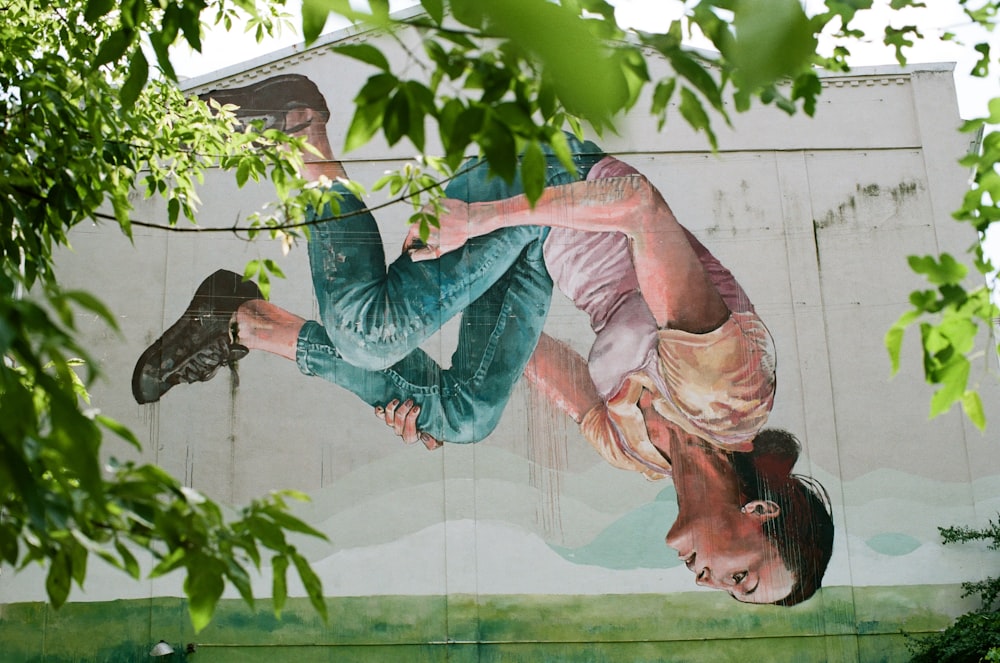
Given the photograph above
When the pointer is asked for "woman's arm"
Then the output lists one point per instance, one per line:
(561, 374)
(673, 282)
(602, 205)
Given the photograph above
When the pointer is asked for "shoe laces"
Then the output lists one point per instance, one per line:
(204, 363)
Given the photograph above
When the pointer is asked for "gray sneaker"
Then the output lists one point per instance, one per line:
(202, 341)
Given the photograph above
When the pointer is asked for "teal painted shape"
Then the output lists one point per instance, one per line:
(634, 541)
(893, 543)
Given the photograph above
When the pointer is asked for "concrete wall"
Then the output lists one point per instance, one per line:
(528, 545)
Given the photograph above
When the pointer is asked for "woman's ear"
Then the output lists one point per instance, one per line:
(762, 510)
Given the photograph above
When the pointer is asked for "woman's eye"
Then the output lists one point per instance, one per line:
(739, 577)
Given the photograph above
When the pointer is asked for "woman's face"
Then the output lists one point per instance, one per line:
(732, 553)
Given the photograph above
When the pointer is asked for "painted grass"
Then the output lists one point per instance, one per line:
(840, 624)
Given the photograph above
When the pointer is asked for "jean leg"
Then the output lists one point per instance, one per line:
(376, 315)
(463, 403)
(504, 307)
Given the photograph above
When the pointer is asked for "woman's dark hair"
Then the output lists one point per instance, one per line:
(803, 529)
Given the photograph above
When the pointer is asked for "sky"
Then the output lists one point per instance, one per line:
(222, 49)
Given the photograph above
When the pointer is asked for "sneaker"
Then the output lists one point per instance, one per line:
(270, 100)
(195, 347)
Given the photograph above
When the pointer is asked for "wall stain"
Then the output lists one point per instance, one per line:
(904, 190)
(847, 211)
(728, 221)
(837, 216)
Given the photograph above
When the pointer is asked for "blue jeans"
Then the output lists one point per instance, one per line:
(374, 317)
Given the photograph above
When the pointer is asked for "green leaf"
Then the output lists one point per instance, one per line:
(137, 76)
(947, 270)
(533, 169)
(365, 53)
(273, 268)
(954, 378)
(697, 75)
(92, 304)
(894, 344)
(807, 87)
(515, 116)
(434, 9)
(203, 587)
(57, 582)
(574, 72)
(314, 588)
(241, 580)
(188, 17)
(960, 330)
(314, 15)
(161, 47)
(289, 522)
(994, 108)
(279, 591)
(252, 270)
(899, 40)
(468, 12)
(560, 147)
(369, 110)
(96, 9)
(174, 560)
(268, 533)
(695, 115)
(242, 172)
(396, 120)
(78, 555)
(972, 405)
(500, 149)
(128, 560)
(774, 40)
(662, 94)
(113, 47)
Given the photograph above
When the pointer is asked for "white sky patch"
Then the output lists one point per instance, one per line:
(648, 15)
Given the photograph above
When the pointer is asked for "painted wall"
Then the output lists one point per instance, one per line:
(528, 545)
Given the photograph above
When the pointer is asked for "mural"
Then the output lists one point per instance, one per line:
(679, 381)
(588, 398)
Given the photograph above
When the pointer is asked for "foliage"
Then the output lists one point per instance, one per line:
(83, 125)
(953, 316)
(90, 114)
(974, 636)
(969, 639)
(989, 589)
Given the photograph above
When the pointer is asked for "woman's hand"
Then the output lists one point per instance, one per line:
(402, 418)
(452, 232)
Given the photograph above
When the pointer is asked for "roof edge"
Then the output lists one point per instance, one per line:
(325, 39)
(334, 36)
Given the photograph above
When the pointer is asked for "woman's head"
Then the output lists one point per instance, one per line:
(801, 525)
(747, 525)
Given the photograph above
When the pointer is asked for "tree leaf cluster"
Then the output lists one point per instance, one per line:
(86, 123)
(958, 312)
(974, 636)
